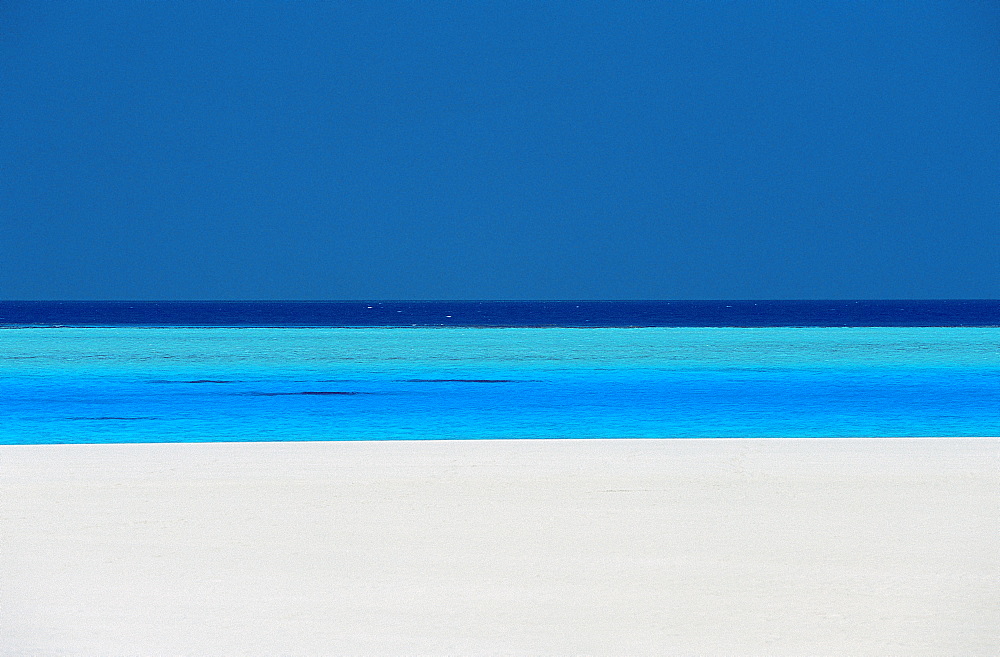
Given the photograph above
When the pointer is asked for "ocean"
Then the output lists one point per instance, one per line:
(113, 372)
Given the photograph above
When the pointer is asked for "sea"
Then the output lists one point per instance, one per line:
(130, 372)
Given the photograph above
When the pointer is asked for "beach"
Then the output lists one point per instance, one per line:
(502, 547)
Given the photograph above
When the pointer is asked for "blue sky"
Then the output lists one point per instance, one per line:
(466, 150)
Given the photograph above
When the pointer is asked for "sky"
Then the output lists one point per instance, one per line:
(499, 150)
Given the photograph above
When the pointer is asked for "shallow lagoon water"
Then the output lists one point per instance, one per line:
(129, 384)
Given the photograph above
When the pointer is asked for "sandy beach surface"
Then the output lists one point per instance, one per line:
(623, 547)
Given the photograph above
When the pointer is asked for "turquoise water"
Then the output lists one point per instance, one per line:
(226, 384)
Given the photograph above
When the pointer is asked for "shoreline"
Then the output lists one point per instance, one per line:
(502, 547)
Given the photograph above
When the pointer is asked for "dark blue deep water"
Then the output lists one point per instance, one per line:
(502, 313)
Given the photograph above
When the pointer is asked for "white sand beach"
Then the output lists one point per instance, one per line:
(623, 547)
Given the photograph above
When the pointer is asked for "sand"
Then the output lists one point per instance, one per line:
(644, 547)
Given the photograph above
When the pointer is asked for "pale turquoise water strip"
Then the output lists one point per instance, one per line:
(176, 384)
